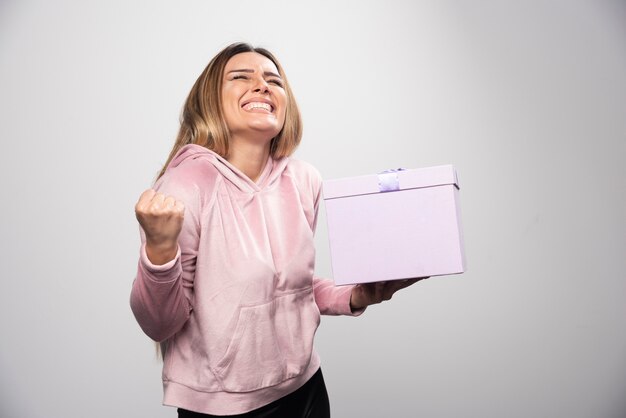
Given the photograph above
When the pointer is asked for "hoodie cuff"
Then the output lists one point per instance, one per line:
(159, 272)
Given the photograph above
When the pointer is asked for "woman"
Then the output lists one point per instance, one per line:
(225, 278)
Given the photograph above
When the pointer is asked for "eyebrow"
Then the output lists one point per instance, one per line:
(247, 70)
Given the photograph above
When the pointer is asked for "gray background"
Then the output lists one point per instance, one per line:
(526, 99)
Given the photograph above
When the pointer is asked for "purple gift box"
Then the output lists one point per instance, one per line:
(395, 225)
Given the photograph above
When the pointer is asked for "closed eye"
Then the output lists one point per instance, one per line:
(276, 81)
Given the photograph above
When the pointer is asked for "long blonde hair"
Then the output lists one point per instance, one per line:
(202, 120)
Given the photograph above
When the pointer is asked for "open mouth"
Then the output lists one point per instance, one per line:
(258, 106)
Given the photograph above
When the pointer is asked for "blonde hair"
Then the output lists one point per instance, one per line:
(202, 120)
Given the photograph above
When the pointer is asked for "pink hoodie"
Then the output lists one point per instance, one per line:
(239, 306)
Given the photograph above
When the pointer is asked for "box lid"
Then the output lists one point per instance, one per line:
(391, 180)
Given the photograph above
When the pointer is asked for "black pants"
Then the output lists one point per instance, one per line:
(310, 401)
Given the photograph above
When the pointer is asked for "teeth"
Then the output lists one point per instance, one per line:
(258, 105)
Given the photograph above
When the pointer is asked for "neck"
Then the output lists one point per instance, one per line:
(249, 158)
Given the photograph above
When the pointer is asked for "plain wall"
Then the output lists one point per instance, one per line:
(526, 99)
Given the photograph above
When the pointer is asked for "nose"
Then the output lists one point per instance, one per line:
(261, 86)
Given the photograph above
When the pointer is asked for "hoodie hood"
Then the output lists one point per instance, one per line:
(272, 171)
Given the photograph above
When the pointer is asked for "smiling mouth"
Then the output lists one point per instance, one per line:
(258, 106)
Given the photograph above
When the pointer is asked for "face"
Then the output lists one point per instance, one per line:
(253, 97)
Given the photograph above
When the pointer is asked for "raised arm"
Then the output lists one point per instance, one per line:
(162, 293)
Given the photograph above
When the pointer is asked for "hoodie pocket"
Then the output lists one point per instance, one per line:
(272, 342)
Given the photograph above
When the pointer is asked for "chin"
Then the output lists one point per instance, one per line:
(270, 130)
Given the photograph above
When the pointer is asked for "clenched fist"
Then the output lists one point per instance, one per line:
(161, 218)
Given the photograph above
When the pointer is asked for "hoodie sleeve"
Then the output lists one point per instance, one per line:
(330, 299)
(162, 295)
(333, 300)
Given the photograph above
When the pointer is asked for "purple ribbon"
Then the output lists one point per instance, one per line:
(388, 180)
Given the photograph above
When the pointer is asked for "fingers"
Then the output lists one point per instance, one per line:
(401, 284)
(385, 290)
(157, 204)
(396, 285)
(375, 292)
(144, 200)
(366, 294)
(382, 291)
(161, 218)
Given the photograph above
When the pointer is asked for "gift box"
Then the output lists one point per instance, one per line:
(394, 225)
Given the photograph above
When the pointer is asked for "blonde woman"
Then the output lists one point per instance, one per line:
(225, 280)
